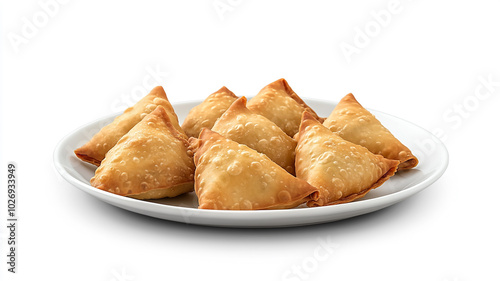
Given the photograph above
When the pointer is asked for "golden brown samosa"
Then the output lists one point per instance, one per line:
(151, 161)
(205, 114)
(95, 150)
(356, 124)
(232, 176)
(342, 171)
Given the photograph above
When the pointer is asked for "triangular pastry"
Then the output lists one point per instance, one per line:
(280, 104)
(95, 150)
(257, 132)
(206, 113)
(342, 171)
(232, 176)
(356, 124)
(151, 161)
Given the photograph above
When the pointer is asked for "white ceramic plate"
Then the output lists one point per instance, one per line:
(430, 151)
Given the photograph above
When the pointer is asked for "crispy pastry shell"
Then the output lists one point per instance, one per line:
(151, 161)
(205, 114)
(243, 126)
(95, 150)
(356, 124)
(280, 104)
(342, 171)
(232, 176)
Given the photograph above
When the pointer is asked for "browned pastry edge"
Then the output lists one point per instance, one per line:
(86, 158)
(408, 164)
(362, 193)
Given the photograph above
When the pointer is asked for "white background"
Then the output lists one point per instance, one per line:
(82, 60)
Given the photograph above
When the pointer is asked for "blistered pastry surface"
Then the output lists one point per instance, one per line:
(257, 132)
(152, 155)
(356, 124)
(205, 114)
(278, 103)
(95, 150)
(232, 176)
(338, 168)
